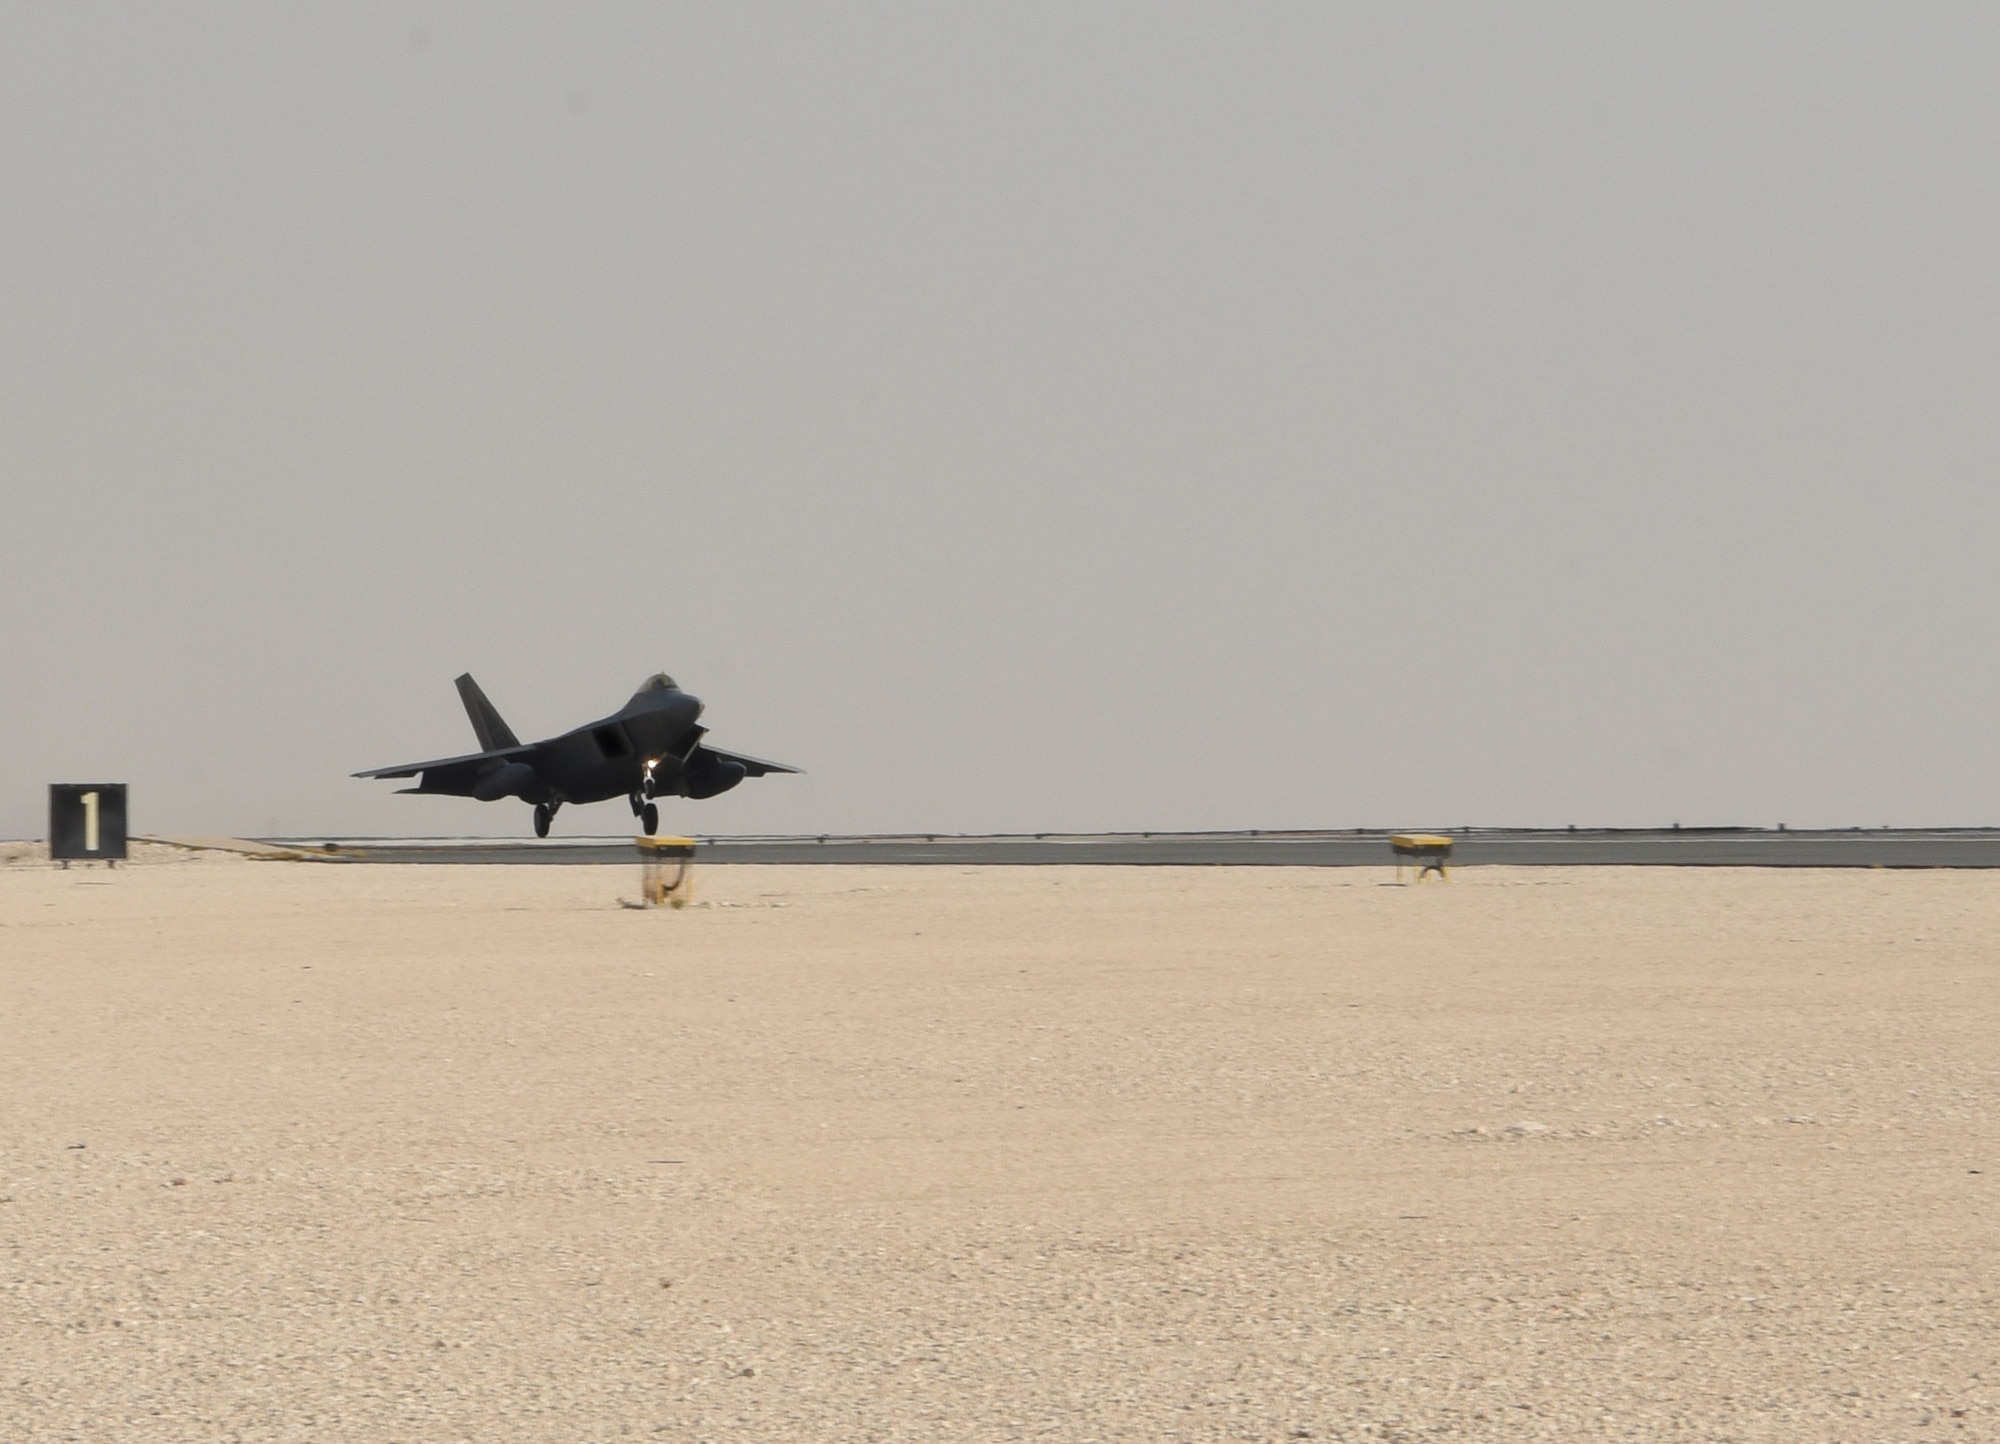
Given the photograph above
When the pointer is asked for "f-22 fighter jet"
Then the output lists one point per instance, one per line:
(649, 746)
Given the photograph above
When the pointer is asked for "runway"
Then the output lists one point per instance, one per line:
(1473, 847)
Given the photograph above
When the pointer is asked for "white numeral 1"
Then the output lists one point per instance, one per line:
(90, 822)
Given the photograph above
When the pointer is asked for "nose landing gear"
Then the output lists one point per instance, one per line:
(642, 800)
(647, 813)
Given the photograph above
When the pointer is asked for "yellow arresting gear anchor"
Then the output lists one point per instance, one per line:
(666, 871)
(1428, 852)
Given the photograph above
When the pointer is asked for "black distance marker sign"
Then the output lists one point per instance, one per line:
(87, 821)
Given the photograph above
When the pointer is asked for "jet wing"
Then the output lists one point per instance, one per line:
(752, 766)
(471, 763)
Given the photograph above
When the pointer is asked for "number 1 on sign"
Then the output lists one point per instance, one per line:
(90, 822)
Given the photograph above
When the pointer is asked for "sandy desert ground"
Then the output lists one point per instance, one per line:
(324, 1152)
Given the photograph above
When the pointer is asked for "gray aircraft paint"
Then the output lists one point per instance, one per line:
(651, 747)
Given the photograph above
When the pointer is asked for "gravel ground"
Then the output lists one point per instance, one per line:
(378, 1153)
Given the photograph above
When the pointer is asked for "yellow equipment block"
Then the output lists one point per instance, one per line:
(666, 871)
(1428, 851)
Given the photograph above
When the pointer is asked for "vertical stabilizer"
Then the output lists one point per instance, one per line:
(493, 734)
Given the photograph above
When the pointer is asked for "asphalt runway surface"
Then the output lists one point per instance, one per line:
(1472, 847)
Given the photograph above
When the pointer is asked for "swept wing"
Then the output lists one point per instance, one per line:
(752, 766)
(450, 774)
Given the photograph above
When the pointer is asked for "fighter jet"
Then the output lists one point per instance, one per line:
(649, 746)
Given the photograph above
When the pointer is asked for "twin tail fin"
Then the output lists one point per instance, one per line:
(493, 733)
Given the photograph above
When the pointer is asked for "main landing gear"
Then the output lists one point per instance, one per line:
(545, 813)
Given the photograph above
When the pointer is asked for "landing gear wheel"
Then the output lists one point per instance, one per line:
(542, 816)
(650, 819)
(637, 802)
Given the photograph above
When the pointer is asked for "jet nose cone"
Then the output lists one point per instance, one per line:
(687, 707)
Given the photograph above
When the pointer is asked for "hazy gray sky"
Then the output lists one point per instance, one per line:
(1021, 417)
